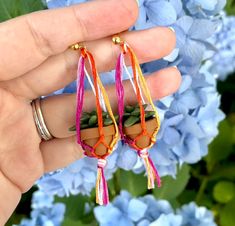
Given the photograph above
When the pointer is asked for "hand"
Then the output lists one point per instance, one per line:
(35, 61)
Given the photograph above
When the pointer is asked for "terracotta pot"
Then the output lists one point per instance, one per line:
(133, 131)
(91, 136)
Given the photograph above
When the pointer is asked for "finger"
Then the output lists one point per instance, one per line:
(53, 150)
(9, 192)
(60, 70)
(27, 41)
(59, 111)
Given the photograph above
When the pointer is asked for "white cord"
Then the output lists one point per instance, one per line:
(132, 83)
(93, 89)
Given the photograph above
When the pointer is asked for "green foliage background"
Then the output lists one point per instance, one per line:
(211, 182)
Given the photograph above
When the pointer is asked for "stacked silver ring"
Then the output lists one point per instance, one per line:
(39, 120)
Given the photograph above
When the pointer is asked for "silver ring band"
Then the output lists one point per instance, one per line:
(39, 120)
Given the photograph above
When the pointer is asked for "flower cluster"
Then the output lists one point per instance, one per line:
(45, 212)
(147, 211)
(223, 62)
(79, 177)
(189, 117)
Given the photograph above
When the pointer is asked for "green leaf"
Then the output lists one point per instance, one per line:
(172, 188)
(227, 216)
(230, 7)
(75, 206)
(15, 219)
(223, 191)
(70, 222)
(221, 147)
(187, 196)
(13, 8)
(227, 171)
(136, 184)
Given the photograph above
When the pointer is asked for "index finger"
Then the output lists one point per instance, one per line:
(27, 41)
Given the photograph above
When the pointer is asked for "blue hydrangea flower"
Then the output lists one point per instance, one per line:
(223, 62)
(45, 212)
(196, 216)
(168, 220)
(202, 8)
(189, 117)
(147, 211)
(79, 177)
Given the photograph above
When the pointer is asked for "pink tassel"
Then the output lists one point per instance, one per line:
(150, 169)
(102, 195)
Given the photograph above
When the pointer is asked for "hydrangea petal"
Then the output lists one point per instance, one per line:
(136, 210)
(164, 17)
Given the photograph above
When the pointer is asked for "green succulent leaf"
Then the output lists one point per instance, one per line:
(94, 112)
(105, 114)
(116, 118)
(108, 122)
(145, 106)
(84, 119)
(72, 129)
(131, 121)
(129, 108)
(126, 114)
(84, 126)
(93, 121)
(136, 112)
(149, 114)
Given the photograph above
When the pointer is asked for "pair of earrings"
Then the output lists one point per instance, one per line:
(99, 131)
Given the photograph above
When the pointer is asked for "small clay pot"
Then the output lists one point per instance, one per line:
(91, 137)
(133, 131)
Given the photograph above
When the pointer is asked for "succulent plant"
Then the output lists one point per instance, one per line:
(90, 120)
(131, 117)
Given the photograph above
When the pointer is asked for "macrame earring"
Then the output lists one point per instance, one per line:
(138, 125)
(97, 131)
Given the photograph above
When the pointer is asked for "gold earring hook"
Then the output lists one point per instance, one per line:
(117, 40)
(77, 46)
(81, 47)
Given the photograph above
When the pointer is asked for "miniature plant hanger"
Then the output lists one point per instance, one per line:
(138, 125)
(97, 132)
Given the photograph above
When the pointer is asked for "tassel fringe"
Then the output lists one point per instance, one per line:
(150, 169)
(102, 195)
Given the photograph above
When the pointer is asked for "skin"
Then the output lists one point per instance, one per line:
(35, 60)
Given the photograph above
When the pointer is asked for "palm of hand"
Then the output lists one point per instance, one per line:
(20, 156)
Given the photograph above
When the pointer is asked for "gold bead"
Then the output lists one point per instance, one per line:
(117, 40)
(76, 46)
